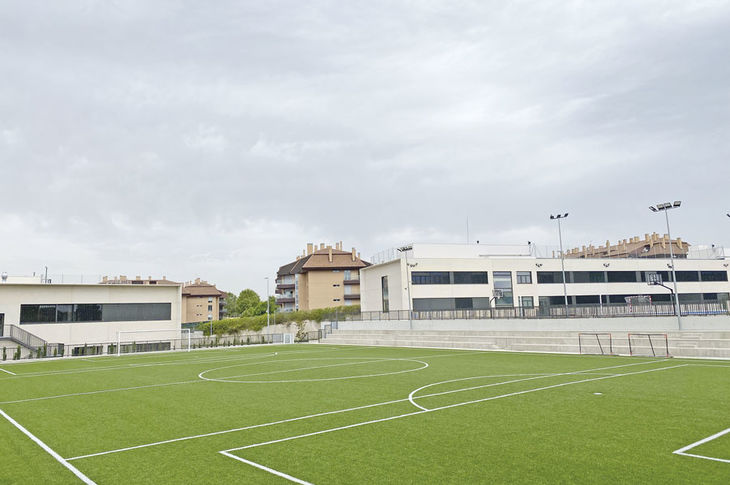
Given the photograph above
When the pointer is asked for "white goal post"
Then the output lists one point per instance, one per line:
(122, 332)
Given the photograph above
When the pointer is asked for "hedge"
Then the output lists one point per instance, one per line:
(229, 326)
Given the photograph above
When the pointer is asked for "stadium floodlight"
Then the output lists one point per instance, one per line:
(665, 208)
(562, 256)
(404, 250)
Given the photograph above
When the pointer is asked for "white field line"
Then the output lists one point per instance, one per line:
(289, 420)
(226, 379)
(11, 373)
(266, 469)
(48, 450)
(102, 391)
(412, 399)
(390, 418)
(682, 451)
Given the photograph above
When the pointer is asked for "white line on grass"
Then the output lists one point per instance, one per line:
(681, 451)
(11, 373)
(48, 450)
(375, 360)
(266, 469)
(390, 418)
(289, 420)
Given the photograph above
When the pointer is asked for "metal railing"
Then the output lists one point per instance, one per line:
(23, 337)
(572, 311)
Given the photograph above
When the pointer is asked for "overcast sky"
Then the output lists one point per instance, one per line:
(215, 139)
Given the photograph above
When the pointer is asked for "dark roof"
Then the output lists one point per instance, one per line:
(201, 290)
(319, 259)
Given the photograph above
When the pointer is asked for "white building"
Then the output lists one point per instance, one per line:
(464, 277)
(78, 314)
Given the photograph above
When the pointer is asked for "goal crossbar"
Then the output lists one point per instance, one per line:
(121, 332)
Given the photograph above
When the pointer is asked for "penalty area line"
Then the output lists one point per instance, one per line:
(11, 373)
(266, 469)
(682, 450)
(48, 450)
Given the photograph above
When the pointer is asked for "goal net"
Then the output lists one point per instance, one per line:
(133, 341)
(649, 344)
(639, 304)
(595, 343)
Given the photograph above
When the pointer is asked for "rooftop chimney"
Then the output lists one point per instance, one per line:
(329, 255)
(321, 245)
(310, 248)
(353, 255)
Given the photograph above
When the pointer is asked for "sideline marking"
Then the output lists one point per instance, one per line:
(289, 420)
(681, 451)
(266, 469)
(11, 373)
(48, 450)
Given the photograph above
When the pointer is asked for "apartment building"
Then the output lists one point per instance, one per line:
(201, 301)
(425, 277)
(321, 277)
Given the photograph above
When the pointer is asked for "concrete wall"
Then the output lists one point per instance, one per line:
(12, 296)
(634, 324)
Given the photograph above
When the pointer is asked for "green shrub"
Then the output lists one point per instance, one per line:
(232, 326)
(5, 354)
(17, 354)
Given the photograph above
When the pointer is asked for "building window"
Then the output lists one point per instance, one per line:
(687, 276)
(548, 277)
(384, 290)
(210, 308)
(210, 299)
(470, 278)
(527, 302)
(622, 277)
(503, 281)
(335, 299)
(336, 285)
(430, 278)
(588, 277)
(524, 277)
(94, 312)
(713, 275)
(348, 275)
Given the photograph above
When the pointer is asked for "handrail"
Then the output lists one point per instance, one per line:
(23, 337)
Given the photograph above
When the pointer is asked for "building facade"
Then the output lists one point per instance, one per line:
(90, 313)
(201, 301)
(321, 277)
(465, 277)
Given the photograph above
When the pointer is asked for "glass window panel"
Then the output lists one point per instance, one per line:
(714, 275)
(433, 304)
(527, 302)
(29, 313)
(463, 304)
(622, 276)
(547, 277)
(524, 277)
(87, 313)
(64, 313)
(430, 278)
(688, 276)
(470, 277)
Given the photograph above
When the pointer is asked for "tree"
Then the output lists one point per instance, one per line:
(230, 305)
(248, 302)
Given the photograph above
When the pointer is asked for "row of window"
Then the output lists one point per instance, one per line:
(95, 312)
(626, 276)
(548, 277)
(483, 303)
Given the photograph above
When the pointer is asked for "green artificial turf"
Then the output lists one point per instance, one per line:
(476, 417)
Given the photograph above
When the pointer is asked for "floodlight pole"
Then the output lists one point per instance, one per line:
(562, 258)
(405, 250)
(665, 207)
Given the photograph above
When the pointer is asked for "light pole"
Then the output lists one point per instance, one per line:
(562, 256)
(665, 207)
(267, 303)
(404, 250)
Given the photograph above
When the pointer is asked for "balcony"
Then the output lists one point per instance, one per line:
(354, 296)
(281, 301)
(285, 286)
(355, 281)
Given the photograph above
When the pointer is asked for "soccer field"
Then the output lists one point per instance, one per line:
(322, 414)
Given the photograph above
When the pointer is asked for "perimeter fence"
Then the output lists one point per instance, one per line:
(543, 312)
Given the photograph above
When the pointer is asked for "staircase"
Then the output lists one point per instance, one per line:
(710, 344)
(17, 336)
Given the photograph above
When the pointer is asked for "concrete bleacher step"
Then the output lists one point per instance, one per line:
(695, 344)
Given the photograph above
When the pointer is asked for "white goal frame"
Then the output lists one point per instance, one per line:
(120, 332)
